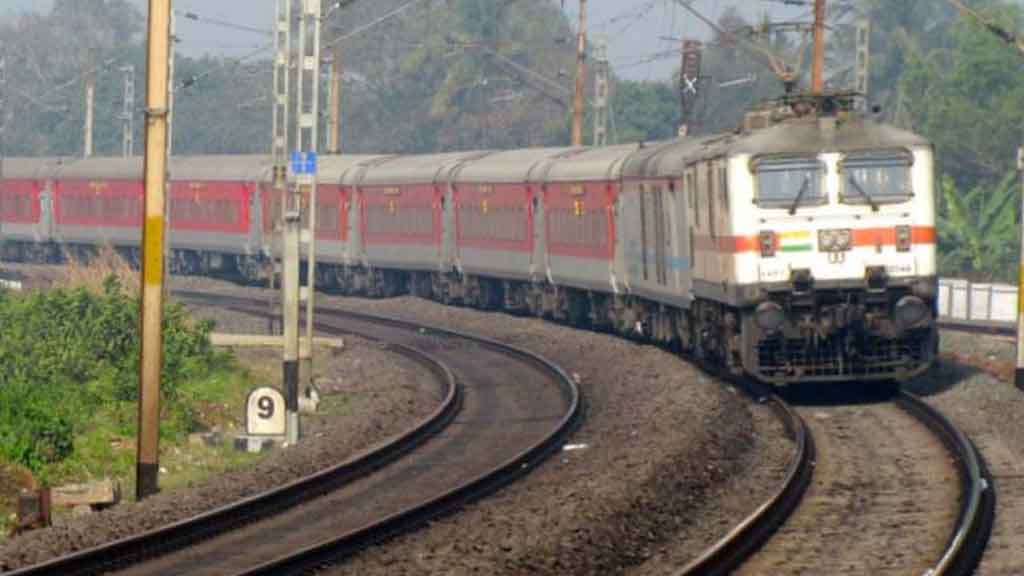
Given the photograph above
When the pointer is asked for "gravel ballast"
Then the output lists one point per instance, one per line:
(973, 386)
(667, 461)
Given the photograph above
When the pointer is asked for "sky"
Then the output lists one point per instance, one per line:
(636, 30)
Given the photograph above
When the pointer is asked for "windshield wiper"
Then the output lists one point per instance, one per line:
(864, 193)
(800, 194)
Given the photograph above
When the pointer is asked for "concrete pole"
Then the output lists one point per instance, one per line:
(334, 127)
(307, 140)
(1019, 373)
(155, 171)
(818, 65)
(581, 77)
(601, 92)
(128, 112)
(290, 220)
(90, 97)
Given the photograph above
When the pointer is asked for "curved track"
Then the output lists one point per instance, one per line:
(881, 500)
(506, 410)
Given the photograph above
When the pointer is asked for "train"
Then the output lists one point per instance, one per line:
(800, 247)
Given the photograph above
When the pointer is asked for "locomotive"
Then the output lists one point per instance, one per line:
(800, 247)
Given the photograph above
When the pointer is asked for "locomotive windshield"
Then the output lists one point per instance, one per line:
(875, 179)
(789, 183)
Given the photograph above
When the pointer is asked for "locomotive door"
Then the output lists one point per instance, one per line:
(538, 260)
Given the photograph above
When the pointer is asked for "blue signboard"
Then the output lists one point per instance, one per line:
(303, 163)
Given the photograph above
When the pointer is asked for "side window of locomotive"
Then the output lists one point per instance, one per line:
(879, 178)
(790, 182)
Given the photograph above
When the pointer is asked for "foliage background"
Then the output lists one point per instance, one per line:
(463, 74)
(70, 380)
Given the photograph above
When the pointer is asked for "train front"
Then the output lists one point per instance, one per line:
(845, 284)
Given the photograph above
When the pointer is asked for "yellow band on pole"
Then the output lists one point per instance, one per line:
(1020, 291)
(153, 250)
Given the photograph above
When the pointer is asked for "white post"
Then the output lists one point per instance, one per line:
(307, 134)
(90, 95)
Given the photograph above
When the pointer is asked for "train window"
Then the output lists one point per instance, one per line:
(790, 182)
(879, 178)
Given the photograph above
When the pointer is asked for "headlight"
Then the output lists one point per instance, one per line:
(769, 316)
(910, 311)
(903, 239)
(767, 241)
(837, 240)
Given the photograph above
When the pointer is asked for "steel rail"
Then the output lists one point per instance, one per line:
(333, 549)
(967, 543)
(749, 535)
(160, 541)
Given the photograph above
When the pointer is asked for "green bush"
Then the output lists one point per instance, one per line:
(69, 363)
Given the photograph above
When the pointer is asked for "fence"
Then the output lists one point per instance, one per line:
(964, 302)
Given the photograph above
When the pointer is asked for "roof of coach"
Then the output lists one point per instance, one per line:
(603, 163)
(98, 168)
(27, 168)
(806, 136)
(666, 159)
(511, 166)
(229, 168)
(340, 169)
(420, 169)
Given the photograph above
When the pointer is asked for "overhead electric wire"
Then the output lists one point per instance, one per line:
(188, 15)
(992, 26)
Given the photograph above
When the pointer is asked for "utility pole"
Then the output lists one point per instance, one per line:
(581, 77)
(334, 96)
(1019, 372)
(155, 173)
(818, 67)
(290, 217)
(168, 251)
(863, 64)
(306, 140)
(128, 112)
(90, 97)
(601, 92)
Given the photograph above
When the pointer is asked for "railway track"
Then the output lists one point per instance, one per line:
(861, 512)
(505, 411)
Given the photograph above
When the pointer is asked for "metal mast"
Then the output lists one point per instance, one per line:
(128, 112)
(306, 141)
(818, 67)
(155, 171)
(601, 92)
(863, 64)
(581, 77)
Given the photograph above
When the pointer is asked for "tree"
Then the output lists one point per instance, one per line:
(978, 231)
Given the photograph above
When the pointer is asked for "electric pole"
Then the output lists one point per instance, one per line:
(818, 67)
(306, 136)
(90, 97)
(168, 251)
(863, 64)
(155, 173)
(601, 92)
(334, 90)
(1018, 378)
(581, 77)
(290, 220)
(128, 112)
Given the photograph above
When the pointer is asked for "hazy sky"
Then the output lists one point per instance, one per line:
(637, 30)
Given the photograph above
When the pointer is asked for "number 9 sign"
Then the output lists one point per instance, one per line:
(264, 412)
